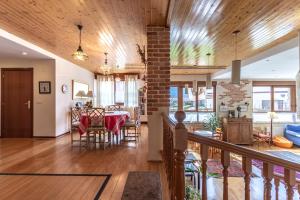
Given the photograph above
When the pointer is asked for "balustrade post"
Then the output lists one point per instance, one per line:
(180, 146)
(204, 157)
(290, 181)
(247, 168)
(268, 175)
(276, 183)
(225, 159)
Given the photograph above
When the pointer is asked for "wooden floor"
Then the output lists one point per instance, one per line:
(57, 156)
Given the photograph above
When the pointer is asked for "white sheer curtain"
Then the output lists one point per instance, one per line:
(105, 90)
(131, 91)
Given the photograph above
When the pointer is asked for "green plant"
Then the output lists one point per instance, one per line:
(191, 193)
(211, 122)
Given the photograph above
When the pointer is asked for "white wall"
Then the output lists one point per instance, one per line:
(43, 104)
(65, 73)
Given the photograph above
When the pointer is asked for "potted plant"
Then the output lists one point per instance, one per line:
(212, 122)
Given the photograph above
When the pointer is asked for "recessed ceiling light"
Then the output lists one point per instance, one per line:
(24, 53)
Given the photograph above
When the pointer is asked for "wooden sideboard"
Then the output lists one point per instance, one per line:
(238, 130)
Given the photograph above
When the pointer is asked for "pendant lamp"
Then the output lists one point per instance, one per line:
(208, 76)
(236, 64)
(79, 54)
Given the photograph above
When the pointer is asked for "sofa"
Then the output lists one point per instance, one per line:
(292, 133)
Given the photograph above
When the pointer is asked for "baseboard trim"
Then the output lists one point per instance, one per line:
(58, 136)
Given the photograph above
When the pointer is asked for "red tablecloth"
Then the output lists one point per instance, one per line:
(113, 122)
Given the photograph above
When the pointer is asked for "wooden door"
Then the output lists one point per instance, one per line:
(17, 103)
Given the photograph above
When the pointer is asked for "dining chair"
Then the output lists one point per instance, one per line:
(75, 121)
(97, 128)
(113, 108)
(134, 124)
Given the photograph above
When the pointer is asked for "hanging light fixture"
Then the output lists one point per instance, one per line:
(194, 90)
(186, 86)
(236, 64)
(79, 54)
(208, 76)
(105, 67)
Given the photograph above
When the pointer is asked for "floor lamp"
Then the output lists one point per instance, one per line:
(272, 116)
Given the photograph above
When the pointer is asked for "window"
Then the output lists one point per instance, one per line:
(120, 92)
(274, 98)
(189, 100)
(282, 99)
(183, 98)
(205, 99)
(261, 99)
(131, 91)
(111, 91)
(173, 98)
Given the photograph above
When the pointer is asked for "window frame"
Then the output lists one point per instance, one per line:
(280, 84)
(181, 85)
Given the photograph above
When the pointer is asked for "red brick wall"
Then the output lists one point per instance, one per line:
(158, 74)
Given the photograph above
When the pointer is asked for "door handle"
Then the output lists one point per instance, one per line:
(28, 104)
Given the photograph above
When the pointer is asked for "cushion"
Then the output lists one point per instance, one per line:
(295, 134)
(282, 142)
(293, 127)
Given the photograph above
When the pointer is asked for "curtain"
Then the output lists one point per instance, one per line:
(131, 91)
(105, 90)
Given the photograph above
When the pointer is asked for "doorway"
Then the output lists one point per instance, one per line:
(17, 102)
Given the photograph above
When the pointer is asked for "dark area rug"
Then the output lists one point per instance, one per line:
(142, 186)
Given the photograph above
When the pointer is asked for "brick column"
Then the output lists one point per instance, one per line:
(158, 78)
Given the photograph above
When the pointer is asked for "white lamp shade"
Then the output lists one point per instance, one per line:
(81, 93)
(208, 81)
(236, 72)
(90, 94)
(272, 115)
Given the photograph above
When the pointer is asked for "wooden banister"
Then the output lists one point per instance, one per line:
(243, 151)
(175, 137)
(174, 147)
(247, 155)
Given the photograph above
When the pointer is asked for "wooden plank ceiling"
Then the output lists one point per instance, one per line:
(198, 27)
(206, 26)
(113, 26)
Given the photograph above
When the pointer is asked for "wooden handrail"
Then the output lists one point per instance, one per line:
(175, 137)
(173, 153)
(250, 153)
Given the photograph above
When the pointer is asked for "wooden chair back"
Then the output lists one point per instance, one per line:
(137, 116)
(114, 108)
(96, 116)
(75, 115)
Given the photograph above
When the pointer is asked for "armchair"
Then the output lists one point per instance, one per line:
(292, 133)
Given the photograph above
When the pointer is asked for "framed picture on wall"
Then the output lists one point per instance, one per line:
(44, 87)
(79, 87)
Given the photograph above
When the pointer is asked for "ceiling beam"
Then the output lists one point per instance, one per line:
(197, 67)
(171, 6)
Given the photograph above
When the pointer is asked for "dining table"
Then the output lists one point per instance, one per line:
(114, 121)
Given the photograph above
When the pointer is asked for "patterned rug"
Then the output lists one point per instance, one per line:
(234, 170)
(281, 154)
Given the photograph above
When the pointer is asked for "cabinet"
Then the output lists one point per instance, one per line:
(238, 130)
